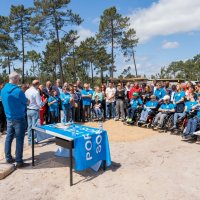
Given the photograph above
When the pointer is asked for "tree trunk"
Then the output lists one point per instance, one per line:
(91, 66)
(134, 62)
(54, 77)
(112, 51)
(9, 65)
(101, 76)
(23, 57)
(59, 49)
(74, 63)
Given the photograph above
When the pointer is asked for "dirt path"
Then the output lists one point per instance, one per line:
(146, 166)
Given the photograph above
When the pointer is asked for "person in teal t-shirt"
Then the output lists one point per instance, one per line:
(86, 94)
(165, 108)
(53, 103)
(65, 102)
(135, 102)
(148, 109)
(193, 122)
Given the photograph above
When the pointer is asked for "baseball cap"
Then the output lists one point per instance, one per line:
(166, 97)
(135, 94)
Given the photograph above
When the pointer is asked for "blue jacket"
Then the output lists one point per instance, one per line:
(14, 102)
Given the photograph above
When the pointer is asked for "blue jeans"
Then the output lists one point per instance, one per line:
(15, 128)
(192, 125)
(110, 110)
(67, 112)
(98, 112)
(178, 116)
(131, 112)
(145, 114)
(32, 117)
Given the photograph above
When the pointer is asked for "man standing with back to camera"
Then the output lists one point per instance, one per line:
(14, 102)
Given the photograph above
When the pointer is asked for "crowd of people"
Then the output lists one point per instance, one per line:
(25, 106)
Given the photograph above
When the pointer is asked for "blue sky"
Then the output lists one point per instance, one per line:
(168, 30)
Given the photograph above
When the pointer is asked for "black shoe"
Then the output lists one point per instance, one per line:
(22, 165)
(11, 161)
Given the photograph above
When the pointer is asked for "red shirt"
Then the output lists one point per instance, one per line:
(134, 89)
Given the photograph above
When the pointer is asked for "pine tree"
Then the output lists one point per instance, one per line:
(23, 30)
(8, 50)
(111, 28)
(130, 41)
(51, 17)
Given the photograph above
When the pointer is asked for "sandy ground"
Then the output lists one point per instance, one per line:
(146, 166)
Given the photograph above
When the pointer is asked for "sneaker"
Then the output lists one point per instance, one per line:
(11, 161)
(141, 122)
(172, 128)
(155, 127)
(22, 165)
(187, 137)
(116, 119)
(198, 140)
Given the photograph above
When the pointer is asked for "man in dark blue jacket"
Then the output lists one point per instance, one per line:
(14, 102)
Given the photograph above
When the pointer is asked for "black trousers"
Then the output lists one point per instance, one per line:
(53, 118)
(86, 113)
(2, 118)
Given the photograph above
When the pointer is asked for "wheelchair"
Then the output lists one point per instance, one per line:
(181, 124)
(190, 115)
(94, 118)
(167, 123)
(136, 118)
(150, 119)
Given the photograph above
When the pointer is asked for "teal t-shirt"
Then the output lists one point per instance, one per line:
(189, 105)
(178, 96)
(167, 106)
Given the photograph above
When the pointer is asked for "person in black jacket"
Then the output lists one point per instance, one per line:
(2, 113)
(120, 98)
(46, 91)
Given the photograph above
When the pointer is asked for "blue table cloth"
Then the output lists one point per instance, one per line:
(91, 145)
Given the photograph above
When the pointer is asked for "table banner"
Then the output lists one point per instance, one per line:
(90, 144)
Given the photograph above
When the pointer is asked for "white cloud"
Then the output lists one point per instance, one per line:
(166, 17)
(96, 20)
(145, 65)
(170, 45)
(84, 33)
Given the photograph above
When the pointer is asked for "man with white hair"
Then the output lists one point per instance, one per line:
(14, 102)
(57, 87)
(165, 108)
(33, 109)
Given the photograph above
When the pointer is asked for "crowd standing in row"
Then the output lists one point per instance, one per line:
(27, 106)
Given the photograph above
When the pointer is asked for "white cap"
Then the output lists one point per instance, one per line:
(166, 97)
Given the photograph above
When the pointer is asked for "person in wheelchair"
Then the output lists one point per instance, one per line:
(136, 104)
(149, 109)
(165, 110)
(97, 107)
(193, 122)
(179, 103)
